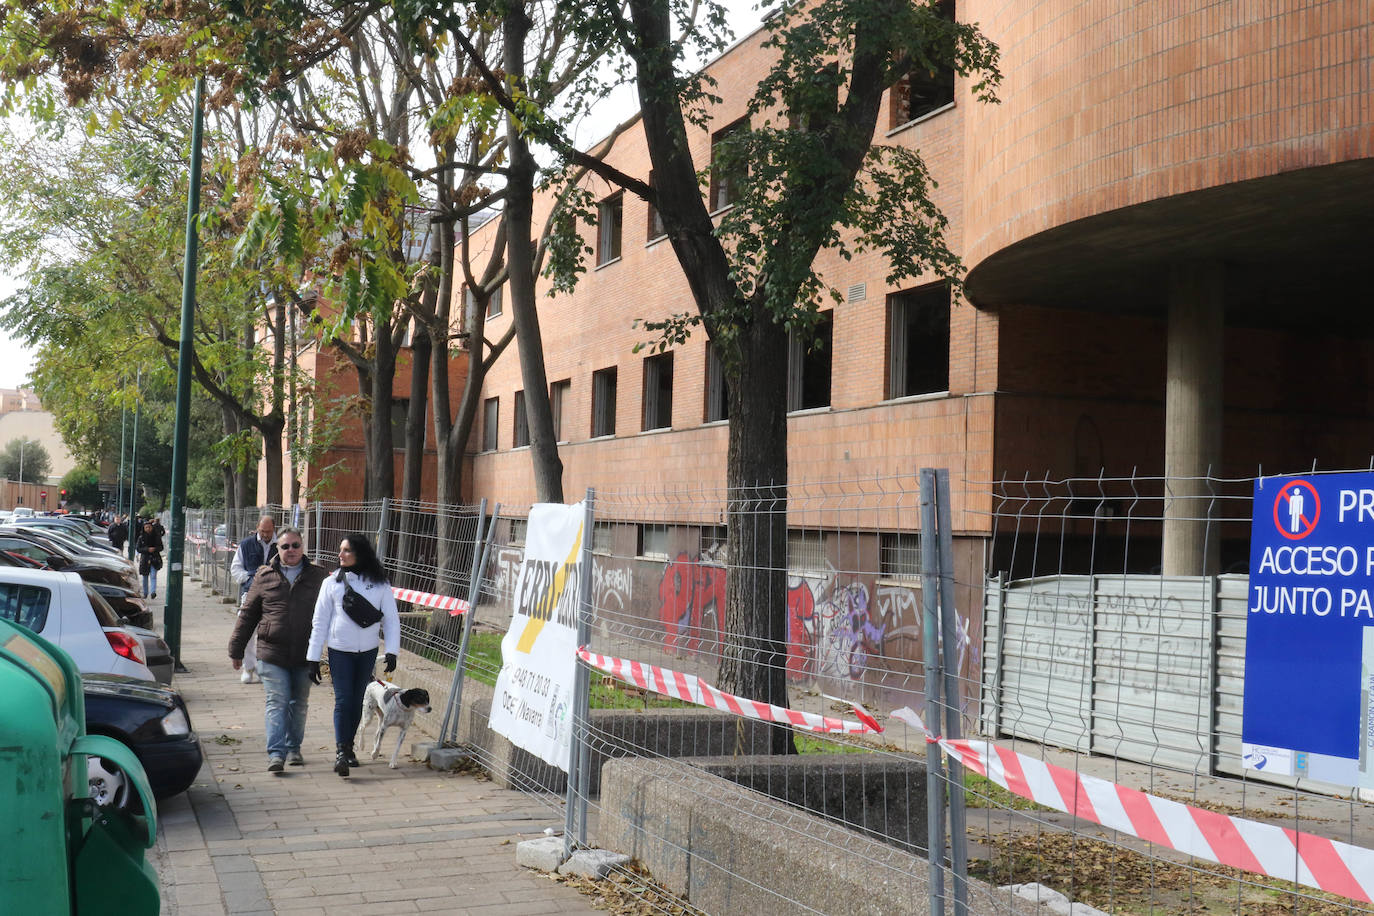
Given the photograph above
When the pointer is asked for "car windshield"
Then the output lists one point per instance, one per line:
(103, 612)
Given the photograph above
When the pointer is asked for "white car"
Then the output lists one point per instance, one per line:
(65, 610)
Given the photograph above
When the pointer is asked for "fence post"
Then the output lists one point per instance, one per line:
(580, 752)
(958, 832)
(935, 787)
(383, 525)
(319, 530)
(481, 546)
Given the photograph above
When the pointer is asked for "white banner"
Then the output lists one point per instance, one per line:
(532, 705)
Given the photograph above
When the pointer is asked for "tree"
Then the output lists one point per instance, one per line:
(25, 460)
(82, 486)
(809, 176)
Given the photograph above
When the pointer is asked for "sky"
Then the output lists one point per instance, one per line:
(15, 359)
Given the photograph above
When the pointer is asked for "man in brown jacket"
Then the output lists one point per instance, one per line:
(280, 606)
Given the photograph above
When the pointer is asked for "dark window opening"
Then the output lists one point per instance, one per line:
(922, 90)
(717, 391)
(558, 402)
(491, 412)
(918, 341)
(727, 172)
(610, 218)
(603, 402)
(808, 370)
(658, 391)
(522, 423)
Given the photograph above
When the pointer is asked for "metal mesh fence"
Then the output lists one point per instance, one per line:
(1070, 644)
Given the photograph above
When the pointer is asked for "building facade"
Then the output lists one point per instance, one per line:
(1161, 223)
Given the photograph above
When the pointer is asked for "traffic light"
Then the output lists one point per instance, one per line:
(63, 492)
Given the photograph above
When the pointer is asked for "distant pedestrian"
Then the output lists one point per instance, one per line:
(280, 604)
(253, 552)
(149, 549)
(118, 532)
(355, 610)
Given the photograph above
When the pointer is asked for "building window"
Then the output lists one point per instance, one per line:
(493, 302)
(653, 542)
(808, 366)
(900, 556)
(918, 341)
(727, 170)
(603, 537)
(603, 402)
(558, 402)
(658, 391)
(522, 422)
(655, 229)
(921, 90)
(717, 394)
(610, 218)
(491, 412)
(713, 543)
(806, 551)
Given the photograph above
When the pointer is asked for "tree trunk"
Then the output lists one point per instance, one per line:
(272, 428)
(754, 652)
(380, 480)
(231, 427)
(547, 466)
(415, 418)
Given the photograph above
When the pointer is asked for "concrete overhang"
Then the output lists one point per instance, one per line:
(1297, 246)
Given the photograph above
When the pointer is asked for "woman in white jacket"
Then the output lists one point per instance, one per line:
(352, 645)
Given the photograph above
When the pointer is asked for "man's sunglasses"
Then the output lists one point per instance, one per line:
(295, 546)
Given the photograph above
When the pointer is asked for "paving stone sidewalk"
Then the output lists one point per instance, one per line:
(409, 840)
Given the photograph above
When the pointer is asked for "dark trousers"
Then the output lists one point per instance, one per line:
(350, 672)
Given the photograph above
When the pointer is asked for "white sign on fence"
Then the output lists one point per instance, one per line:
(532, 705)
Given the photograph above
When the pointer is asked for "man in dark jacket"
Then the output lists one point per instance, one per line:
(280, 605)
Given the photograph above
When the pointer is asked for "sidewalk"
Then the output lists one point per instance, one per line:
(409, 840)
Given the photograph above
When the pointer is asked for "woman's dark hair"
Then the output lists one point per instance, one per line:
(365, 561)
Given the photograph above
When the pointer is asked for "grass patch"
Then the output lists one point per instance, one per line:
(981, 792)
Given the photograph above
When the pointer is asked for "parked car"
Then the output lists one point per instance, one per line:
(68, 612)
(153, 722)
(69, 530)
(112, 571)
(129, 605)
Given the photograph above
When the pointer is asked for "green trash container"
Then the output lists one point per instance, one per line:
(59, 853)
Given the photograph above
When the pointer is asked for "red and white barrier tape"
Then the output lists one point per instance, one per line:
(1278, 852)
(454, 606)
(692, 689)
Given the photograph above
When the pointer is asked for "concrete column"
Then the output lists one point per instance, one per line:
(1193, 417)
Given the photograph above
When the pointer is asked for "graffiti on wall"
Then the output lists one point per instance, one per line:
(612, 585)
(691, 598)
(837, 627)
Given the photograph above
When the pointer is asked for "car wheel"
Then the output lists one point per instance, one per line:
(110, 786)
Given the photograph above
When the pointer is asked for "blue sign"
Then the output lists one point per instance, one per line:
(1309, 637)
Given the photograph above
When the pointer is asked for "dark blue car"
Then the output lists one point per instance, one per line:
(152, 720)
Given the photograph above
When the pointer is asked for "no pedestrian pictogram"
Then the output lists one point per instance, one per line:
(1297, 507)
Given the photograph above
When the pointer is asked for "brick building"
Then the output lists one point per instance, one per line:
(1162, 223)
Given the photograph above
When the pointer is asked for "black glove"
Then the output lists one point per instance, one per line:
(315, 676)
(390, 663)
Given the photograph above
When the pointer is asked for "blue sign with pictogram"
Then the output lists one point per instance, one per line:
(1309, 635)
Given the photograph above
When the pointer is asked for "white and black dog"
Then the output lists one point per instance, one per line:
(391, 705)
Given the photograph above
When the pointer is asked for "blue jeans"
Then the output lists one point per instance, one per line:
(288, 694)
(351, 672)
(150, 576)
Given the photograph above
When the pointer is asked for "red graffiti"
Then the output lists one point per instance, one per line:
(693, 601)
(801, 630)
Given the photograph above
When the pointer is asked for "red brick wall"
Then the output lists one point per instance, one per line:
(1105, 105)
